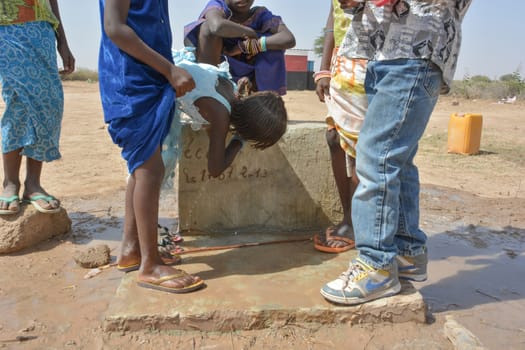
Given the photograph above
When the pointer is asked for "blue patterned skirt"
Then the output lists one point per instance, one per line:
(31, 89)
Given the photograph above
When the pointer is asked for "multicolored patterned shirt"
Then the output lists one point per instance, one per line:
(412, 29)
(22, 11)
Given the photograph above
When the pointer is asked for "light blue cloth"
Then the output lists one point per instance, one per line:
(206, 78)
(31, 89)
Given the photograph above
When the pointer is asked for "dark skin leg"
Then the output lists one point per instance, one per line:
(345, 186)
(32, 185)
(209, 48)
(129, 248)
(140, 225)
(11, 184)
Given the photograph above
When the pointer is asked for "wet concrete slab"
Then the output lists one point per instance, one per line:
(255, 286)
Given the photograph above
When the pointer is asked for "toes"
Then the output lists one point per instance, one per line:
(54, 204)
(45, 204)
(12, 206)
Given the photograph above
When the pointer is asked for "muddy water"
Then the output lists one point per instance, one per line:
(476, 274)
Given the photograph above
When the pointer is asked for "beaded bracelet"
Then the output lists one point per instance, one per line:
(321, 74)
(250, 47)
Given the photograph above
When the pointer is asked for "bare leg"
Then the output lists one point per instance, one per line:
(342, 181)
(143, 201)
(209, 49)
(11, 185)
(346, 187)
(32, 185)
(130, 247)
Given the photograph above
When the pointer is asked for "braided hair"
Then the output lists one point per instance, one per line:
(260, 117)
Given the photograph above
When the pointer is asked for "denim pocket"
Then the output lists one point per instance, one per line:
(432, 80)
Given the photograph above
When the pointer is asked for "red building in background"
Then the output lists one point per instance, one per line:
(299, 70)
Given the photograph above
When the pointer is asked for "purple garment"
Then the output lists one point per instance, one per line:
(268, 68)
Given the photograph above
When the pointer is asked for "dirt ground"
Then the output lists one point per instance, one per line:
(472, 209)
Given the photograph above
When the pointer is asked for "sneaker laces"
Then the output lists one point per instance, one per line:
(355, 270)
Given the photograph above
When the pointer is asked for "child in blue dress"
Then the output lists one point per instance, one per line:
(138, 85)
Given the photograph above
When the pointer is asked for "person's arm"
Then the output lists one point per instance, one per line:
(220, 156)
(323, 82)
(116, 28)
(282, 39)
(224, 28)
(68, 61)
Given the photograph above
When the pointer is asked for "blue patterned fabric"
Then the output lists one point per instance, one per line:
(31, 89)
(138, 101)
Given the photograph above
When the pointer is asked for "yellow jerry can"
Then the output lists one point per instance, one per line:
(464, 133)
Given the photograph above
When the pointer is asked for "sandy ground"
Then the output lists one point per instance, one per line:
(472, 209)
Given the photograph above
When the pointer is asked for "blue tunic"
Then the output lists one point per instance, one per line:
(137, 101)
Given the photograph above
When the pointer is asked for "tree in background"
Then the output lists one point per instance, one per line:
(319, 43)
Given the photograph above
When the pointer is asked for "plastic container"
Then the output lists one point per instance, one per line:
(464, 133)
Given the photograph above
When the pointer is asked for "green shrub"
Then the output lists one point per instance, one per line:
(481, 87)
(82, 74)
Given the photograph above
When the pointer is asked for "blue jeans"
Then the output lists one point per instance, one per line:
(385, 208)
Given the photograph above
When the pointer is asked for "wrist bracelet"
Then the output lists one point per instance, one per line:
(262, 43)
(321, 74)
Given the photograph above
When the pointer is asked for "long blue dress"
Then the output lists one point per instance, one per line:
(138, 102)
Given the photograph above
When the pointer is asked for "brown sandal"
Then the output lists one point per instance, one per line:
(157, 284)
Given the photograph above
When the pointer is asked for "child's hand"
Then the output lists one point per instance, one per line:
(234, 51)
(181, 81)
(244, 86)
(322, 88)
(68, 61)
